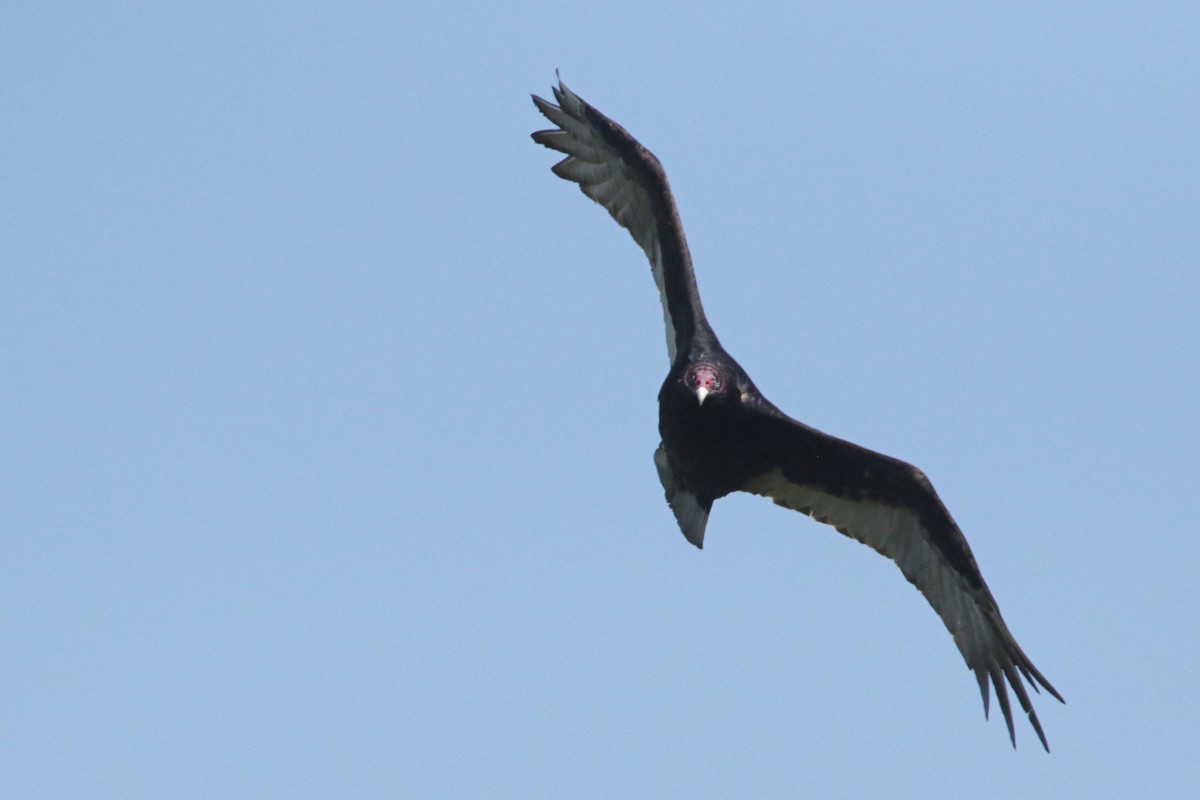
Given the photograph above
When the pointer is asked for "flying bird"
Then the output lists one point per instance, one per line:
(720, 435)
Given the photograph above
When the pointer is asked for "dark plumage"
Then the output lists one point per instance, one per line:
(720, 435)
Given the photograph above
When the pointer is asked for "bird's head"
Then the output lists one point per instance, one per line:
(704, 380)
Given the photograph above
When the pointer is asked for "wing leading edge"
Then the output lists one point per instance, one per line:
(615, 170)
(891, 507)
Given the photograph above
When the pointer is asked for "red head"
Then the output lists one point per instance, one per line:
(704, 380)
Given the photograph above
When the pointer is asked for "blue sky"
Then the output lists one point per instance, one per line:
(327, 412)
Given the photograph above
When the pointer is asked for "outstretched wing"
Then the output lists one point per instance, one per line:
(613, 168)
(891, 506)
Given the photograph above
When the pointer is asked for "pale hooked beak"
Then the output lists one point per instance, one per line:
(701, 393)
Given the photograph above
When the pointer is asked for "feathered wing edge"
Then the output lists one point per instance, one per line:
(903, 533)
(616, 171)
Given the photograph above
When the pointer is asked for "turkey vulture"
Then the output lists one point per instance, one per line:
(720, 435)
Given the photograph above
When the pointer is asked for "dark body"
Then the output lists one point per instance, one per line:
(714, 448)
(720, 435)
